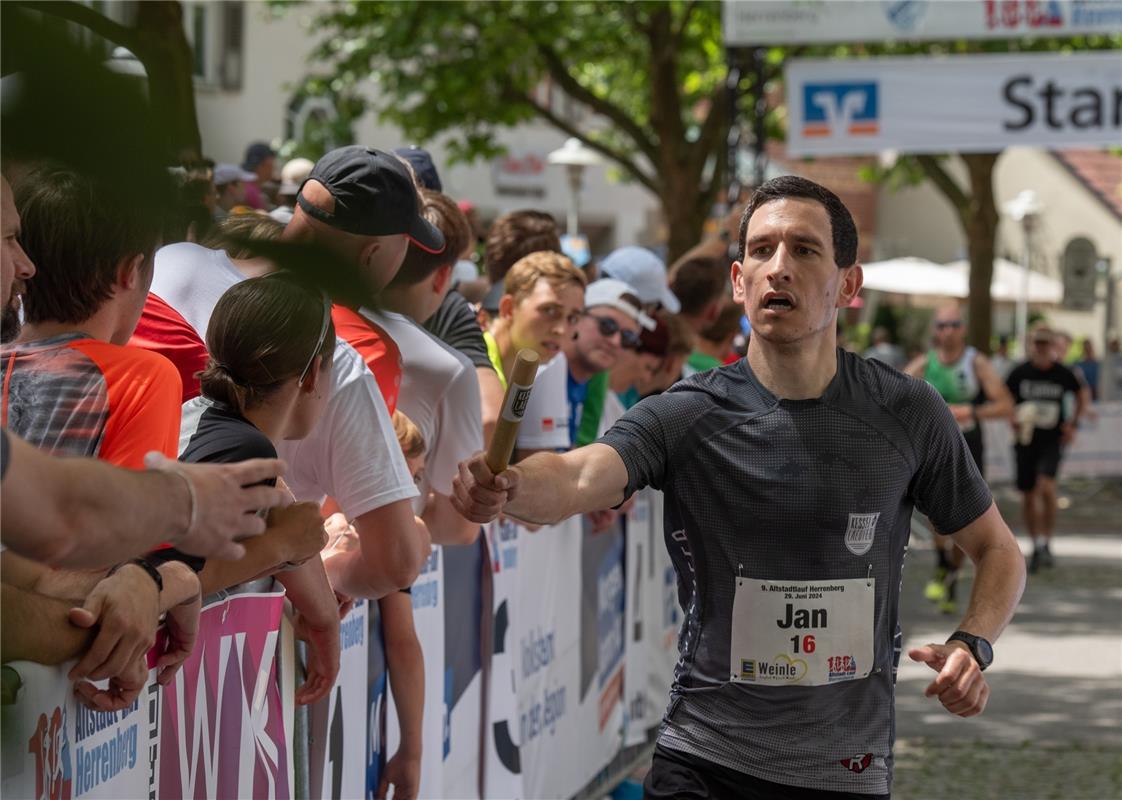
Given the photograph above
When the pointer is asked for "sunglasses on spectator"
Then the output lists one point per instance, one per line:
(608, 328)
(950, 323)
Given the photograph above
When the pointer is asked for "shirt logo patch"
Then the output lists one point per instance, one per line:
(859, 763)
(547, 424)
(860, 532)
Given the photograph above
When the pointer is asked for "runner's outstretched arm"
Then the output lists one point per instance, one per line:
(545, 488)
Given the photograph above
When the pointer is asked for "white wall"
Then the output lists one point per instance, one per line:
(275, 60)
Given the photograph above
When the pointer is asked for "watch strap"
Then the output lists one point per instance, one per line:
(144, 564)
(971, 641)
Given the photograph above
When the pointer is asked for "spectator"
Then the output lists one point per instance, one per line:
(883, 349)
(71, 388)
(511, 237)
(351, 455)
(611, 323)
(1001, 361)
(540, 309)
(1064, 343)
(261, 160)
(645, 273)
(678, 348)
(714, 344)
(17, 267)
(700, 282)
(439, 387)
(234, 233)
(424, 170)
(1111, 381)
(293, 175)
(230, 182)
(638, 367)
(1089, 366)
(271, 344)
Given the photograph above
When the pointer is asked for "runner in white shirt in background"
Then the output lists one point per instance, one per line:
(439, 387)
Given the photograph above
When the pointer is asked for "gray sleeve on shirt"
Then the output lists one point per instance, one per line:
(947, 487)
(646, 437)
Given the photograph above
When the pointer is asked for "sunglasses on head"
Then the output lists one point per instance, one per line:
(950, 323)
(608, 327)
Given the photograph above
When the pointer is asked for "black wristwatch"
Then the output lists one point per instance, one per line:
(152, 571)
(981, 649)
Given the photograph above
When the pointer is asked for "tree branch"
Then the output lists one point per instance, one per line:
(629, 165)
(576, 90)
(690, 7)
(85, 16)
(945, 183)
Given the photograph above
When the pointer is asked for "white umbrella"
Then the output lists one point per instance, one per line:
(916, 276)
(1008, 280)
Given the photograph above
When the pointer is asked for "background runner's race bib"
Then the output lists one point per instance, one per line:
(808, 633)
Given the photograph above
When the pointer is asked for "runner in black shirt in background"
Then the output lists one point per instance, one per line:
(1049, 403)
(789, 480)
(271, 343)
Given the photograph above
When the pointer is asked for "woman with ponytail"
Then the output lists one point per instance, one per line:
(271, 342)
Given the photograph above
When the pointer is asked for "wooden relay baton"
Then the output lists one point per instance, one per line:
(514, 406)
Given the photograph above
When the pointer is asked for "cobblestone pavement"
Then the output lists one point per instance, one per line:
(1053, 726)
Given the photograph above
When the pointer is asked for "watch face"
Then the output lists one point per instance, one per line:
(985, 651)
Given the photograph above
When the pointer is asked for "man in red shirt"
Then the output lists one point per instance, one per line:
(71, 387)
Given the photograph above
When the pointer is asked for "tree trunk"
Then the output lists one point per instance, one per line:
(684, 226)
(168, 59)
(979, 222)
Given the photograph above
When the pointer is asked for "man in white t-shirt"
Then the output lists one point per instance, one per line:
(363, 207)
(439, 388)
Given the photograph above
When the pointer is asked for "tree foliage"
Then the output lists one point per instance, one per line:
(643, 83)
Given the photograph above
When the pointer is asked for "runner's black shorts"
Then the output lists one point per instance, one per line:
(1040, 457)
(680, 776)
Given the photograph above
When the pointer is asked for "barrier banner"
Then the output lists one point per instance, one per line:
(463, 678)
(503, 762)
(337, 724)
(652, 619)
(427, 599)
(376, 683)
(221, 727)
(54, 748)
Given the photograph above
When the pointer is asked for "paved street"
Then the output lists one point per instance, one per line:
(1053, 727)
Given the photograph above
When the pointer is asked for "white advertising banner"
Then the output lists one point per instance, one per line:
(337, 724)
(957, 104)
(763, 22)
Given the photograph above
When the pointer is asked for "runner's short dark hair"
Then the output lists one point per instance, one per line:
(442, 211)
(843, 229)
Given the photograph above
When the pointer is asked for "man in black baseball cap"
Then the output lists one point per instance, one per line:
(362, 204)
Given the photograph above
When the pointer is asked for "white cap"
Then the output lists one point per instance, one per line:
(644, 272)
(228, 173)
(610, 292)
(294, 173)
(463, 271)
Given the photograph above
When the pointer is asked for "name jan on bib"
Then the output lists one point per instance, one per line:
(804, 633)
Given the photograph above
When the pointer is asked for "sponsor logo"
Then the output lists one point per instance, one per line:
(781, 668)
(844, 108)
(518, 403)
(51, 748)
(860, 532)
(1023, 14)
(858, 763)
(904, 15)
(841, 668)
(547, 424)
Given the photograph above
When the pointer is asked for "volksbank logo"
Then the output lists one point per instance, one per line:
(849, 108)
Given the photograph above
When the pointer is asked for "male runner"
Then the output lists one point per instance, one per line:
(1045, 392)
(789, 480)
(974, 391)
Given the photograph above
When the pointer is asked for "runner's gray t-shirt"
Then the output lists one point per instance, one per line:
(768, 489)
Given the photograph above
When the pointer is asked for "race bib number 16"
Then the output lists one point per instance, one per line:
(805, 633)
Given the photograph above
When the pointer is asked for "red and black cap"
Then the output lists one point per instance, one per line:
(374, 196)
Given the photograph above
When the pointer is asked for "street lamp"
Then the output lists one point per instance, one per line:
(574, 156)
(1025, 208)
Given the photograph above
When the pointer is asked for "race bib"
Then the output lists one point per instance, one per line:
(805, 633)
